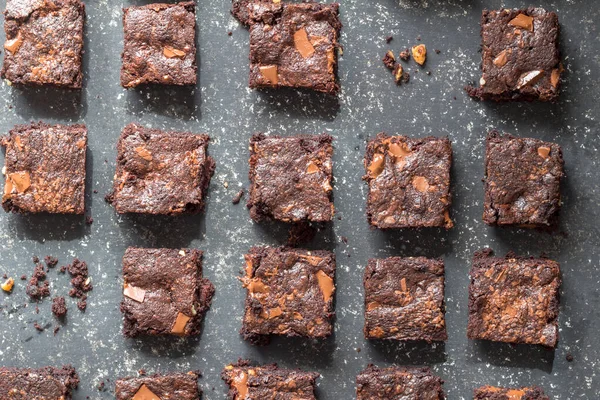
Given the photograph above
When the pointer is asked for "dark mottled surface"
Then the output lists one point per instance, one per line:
(180, 386)
(47, 383)
(369, 102)
(396, 383)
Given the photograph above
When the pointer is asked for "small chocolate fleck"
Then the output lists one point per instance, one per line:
(238, 197)
(389, 39)
(569, 357)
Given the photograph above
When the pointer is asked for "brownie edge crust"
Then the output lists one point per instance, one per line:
(176, 386)
(47, 383)
(498, 393)
(398, 383)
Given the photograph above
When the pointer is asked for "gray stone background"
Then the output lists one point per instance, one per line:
(222, 106)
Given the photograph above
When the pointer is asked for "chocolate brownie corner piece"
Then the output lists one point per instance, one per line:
(164, 292)
(159, 45)
(398, 383)
(161, 172)
(409, 182)
(404, 299)
(41, 383)
(498, 393)
(522, 181)
(514, 299)
(45, 169)
(293, 44)
(268, 382)
(290, 292)
(520, 57)
(44, 42)
(291, 178)
(180, 386)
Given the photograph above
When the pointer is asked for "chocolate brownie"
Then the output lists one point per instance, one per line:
(160, 172)
(155, 387)
(47, 383)
(268, 382)
(164, 292)
(292, 45)
(497, 393)
(514, 299)
(44, 42)
(409, 182)
(520, 56)
(159, 45)
(522, 181)
(398, 383)
(404, 299)
(290, 292)
(44, 168)
(291, 178)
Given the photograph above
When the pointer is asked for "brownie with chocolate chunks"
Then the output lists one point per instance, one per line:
(396, 383)
(498, 393)
(161, 172)
(44, 42)
(409, 182)
(159, 45)
(292, 44)
(404, 299)
(44, 167)
(522, 181)
(164, 292)
(180, 386)
(514, 299)
(291, 178)
(289, 292)
(246, 381)
(520, 56)
(47, 383)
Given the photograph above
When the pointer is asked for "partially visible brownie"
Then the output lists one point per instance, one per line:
(44, 42)
(398, 383)
(161, 172)
(522, 181)
(268, 382)
(520, 56)
(290, 292)
(164, 292)
(291, 178)
(47, 383)
(514, 299)
(292, 44)
(409, 182)
(497, 393)
(159, 45)
(177, 386)
(404, 299)
(44, 168)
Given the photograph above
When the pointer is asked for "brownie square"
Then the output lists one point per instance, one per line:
(172, 386)
(404, 299)
(398, 383)
(47, 383)
(268, 382)
(514, 299)
(409, 182)
(159, 45)
(522, 181)
(164, 292)
(291, 178)
(290, 292)
(161, 172)
(44, 167)
(292, 45)
(520, 56)
(497, 393)
(44, 42)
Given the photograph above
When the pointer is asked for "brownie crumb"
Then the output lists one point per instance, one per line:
(95, 191)
(229, 33)
(238, 197)
(23, 277)
(59, 307)
(80, 282)
(38, 287)
(5, 276)
(142, 372)
(56, 329)
(50, 261)
(101, 386)
(389, 60)
(404, 55)
(389, 39)
(38, 327)
(569, 357)
(345, 239)
(437, 51)
(89, 220)
(35, 259)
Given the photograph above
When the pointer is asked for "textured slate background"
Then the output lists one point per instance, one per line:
(222, 106)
